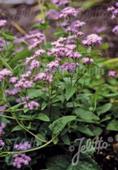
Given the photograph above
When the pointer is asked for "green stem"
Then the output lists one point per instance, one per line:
(23, 127)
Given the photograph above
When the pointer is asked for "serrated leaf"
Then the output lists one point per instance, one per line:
(43, 117)
(103, 109)
(58, 163)
(86, 116)
(58, 125)
(113, 125)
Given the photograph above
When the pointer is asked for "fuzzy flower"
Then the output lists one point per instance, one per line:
(109, 9)
(53, 14)
(112, 73)
(92, 39)
(13, 80)
(39, 52)
(40, 76)
(2, 144)
(44, 76)
(2, 22)
(70, 67)
(53, 65)
(113, 10)
(116, 4)
(69, 12)
(31, 105)
(115, 29)
(75, 26)
(2, 108)
(20, 160)
(2, 126)
(74, 54)
(87, 60)
(22, 99)
(4, 73)
(34, 38)
(22, 146)
(27, 74)
(60, 2)
(34, 64)
(12, 92)
(23, 83)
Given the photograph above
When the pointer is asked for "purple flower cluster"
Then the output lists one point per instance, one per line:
(113, 10)
(115, 29)
(64, 47)
(4, 73)
(31, 105)
(21, 160)
(2, 144)
(75, 27)
(87, 60)
(60, 2)
(2, 22)
(68, 12)
(52, 66)
(45, 76)
(22, 146)
(34, 38)
(53, 14)
(70, 67)
(2, 126)
(92, 39)
(112, 73)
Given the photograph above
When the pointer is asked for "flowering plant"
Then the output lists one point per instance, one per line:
(54, 90)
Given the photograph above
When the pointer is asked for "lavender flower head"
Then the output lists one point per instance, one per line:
(69, 12)
(87, 60)
(70, 67)
(4, 73)
(2, 144)
(2, 108)
(2, 126)
(53, 65)
(115, 29)
(22, 146)
(53, 14)
(60, 2)
(2, 22)
(112, 73)
(31, 105)
(75, 26)
(92, 39)
(21, 160)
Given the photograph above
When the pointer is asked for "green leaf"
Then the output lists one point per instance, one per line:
(34, 93)
(63, 162)
(42, 117)
(58, 125)
(70, 90)
(85, 130)
(84, 165)
(113, 125)
(8, 36)
(21, 55)
(59, 162)
(103, 109)
(86, 116)
(16, 128)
